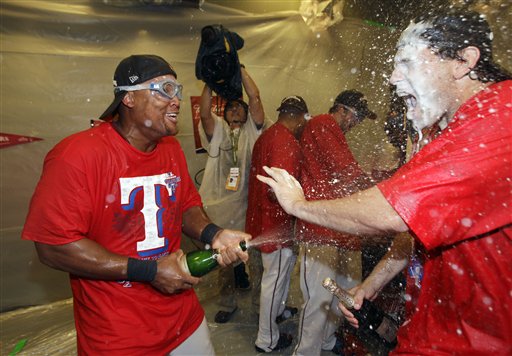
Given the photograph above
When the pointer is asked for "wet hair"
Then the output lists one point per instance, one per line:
(231, 103)
(449, 32)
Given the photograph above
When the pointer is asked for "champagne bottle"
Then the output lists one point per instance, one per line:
(198, 263)
(372, 320)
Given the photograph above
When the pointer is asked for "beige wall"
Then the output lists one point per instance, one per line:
(57, 61)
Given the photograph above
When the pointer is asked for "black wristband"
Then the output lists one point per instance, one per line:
(209, 233)
(141, 270)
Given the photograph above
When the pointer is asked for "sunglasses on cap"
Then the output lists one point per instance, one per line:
(167, 88)
(354, 112)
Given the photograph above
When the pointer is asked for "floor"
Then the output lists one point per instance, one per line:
(49, 329)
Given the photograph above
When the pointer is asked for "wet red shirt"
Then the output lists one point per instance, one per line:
(456, 197)
(266, 221)
(97, 186)
(329, 171)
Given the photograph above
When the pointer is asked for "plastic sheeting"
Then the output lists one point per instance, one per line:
(57, 60)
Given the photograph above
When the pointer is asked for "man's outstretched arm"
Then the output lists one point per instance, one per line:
(363, 213)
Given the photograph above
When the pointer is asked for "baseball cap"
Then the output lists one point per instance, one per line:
(134, 70)
(355, 100)
(293, 103)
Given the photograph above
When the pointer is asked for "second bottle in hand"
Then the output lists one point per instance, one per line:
(371, 320)
(198, 263)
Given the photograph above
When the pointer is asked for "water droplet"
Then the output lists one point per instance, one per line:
(467, 222)
(487, 300)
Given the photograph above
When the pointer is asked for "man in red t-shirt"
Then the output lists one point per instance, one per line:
(110, 208)
(267, 222)
(329, 171)
(453, 196)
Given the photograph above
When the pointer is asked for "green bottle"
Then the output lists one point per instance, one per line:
(199, 263)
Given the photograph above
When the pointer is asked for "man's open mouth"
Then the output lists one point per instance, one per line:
(173, 116)
(409, 99)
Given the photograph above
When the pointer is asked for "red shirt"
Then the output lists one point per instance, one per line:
(329, 171)
(266, 221)
(97, 186)
(455, 195)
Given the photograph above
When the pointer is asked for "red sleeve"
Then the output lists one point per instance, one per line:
(459, 185)
(60, 209)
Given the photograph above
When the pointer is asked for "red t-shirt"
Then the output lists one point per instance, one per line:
(97, 186)
(329, 171)
(266, 221)
(455, 195)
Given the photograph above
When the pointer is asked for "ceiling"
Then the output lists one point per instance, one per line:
(396, 13)
(388, 12)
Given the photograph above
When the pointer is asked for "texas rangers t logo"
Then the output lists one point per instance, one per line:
(152, 188)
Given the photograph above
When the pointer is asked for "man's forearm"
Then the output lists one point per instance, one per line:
(363, 213)
(255, 105)
(395, 260)
(84, 258)
(194, 222)
(205, 105)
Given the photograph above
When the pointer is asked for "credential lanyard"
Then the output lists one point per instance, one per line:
(235, 135)
(233, 178)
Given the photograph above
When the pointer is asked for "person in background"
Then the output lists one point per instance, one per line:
(229, 142)
(398, 129)
(110, 208)
(392, 297)
(272, 229)
(453, 196)
(329, 171)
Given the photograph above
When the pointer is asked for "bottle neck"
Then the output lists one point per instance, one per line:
(343, 296)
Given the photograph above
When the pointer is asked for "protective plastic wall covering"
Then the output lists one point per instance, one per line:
(57, 60)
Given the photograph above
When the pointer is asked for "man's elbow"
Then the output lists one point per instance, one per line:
(397, 224)
(46, 256)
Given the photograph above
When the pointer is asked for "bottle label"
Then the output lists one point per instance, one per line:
(387, 330)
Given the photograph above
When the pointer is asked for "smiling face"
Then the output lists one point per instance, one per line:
(423, 79)
(156, 114)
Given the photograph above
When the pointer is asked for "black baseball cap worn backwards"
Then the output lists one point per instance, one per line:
(134, 70)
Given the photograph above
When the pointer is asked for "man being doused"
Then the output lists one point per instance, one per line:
(453, 196)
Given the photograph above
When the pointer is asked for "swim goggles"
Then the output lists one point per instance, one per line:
(167, 88)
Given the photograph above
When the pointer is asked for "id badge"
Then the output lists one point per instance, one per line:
(233, 179)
